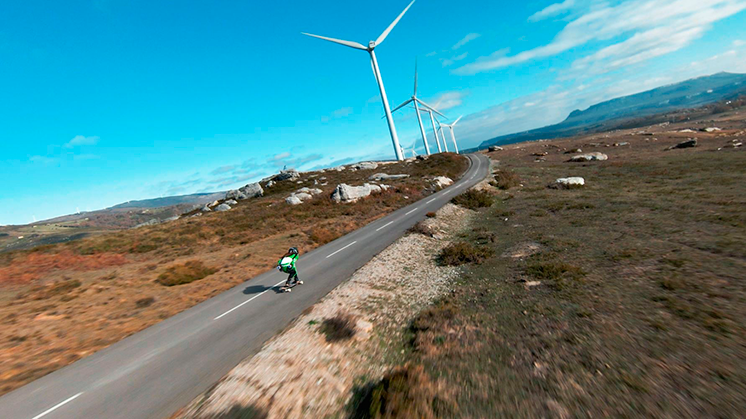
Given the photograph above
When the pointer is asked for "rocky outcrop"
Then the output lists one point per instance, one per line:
(495, 148)
(345, 193)
(692, 142)
(441, 182)
(384, 176)
(223, 208)
(252, 190)
(301, 195)
(366, 165)
(595, 156)
(231, 202)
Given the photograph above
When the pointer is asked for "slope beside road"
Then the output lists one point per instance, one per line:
(153, 373)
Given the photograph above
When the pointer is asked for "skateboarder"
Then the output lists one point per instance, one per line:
(287, 264)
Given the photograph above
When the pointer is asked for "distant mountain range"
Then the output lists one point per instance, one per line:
(687, 94)
(194, 199)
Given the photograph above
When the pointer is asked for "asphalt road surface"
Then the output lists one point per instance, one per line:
(153, 373)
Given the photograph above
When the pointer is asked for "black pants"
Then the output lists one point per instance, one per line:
(292, 275)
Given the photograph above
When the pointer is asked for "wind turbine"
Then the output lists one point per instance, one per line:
(374, 63)
(435, 130)
(414, 100)
(451, 127)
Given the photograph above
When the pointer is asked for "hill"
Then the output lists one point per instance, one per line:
(605, 115)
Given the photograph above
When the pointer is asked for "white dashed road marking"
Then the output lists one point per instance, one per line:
(411, 211)
(51, 409)
(430, 201)
(384, 226)
(341, 249)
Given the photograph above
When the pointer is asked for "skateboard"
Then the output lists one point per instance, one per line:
(288, 288)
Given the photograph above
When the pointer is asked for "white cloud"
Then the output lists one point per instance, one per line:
(281, 156)
(80, 140)
(465, 40)
(446, 100)
(739, 42)
(649, 28)
(449, 61)
(552, 10)
(341, 113)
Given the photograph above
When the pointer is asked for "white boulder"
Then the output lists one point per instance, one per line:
(442, 181)
(384, 176)
(231, 202)
(594, 156)
(366, 165)
(223, 207)
(345, 193)
(570, 182)
(293, 200)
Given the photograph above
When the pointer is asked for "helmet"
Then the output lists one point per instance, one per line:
(293, 250)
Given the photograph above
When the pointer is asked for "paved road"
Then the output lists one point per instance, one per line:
(155, 372)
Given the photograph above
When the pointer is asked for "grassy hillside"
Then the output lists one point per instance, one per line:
(62, 302)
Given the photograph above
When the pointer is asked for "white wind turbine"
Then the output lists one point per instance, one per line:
(435, 130)
(414, 100)
(374, 63)
(451, 128)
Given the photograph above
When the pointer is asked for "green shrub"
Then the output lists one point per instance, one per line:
(505, 179)
(473, 199)
(338, 328)
(460, 253)
(183, 274)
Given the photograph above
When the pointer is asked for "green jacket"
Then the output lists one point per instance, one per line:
(287, 262)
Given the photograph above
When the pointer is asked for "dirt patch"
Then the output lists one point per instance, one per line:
(302, 373)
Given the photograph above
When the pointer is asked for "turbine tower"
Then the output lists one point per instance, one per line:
(435, 130)
(374, 63)
(451, 127)
(417, 102)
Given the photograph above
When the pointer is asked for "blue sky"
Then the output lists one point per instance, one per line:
(105, 101)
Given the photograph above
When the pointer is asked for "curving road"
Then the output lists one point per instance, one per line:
(153, 373)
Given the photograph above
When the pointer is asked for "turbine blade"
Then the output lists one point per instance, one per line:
(401, 106)
(431, 108)
(385, 33)
(456, 121)
(415, 76)
(338, 41)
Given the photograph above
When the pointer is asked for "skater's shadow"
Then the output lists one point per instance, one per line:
(257, 289)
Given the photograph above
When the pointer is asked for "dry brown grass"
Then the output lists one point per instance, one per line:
(462, 252)
(506, 179)
(473, 199)
(185, 273)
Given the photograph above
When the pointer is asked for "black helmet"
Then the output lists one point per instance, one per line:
(293, 250)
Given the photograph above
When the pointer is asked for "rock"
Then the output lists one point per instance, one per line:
(530, 284)
(235, 194)
(303, 196)
(384, 176)
(422, 158)
(338, 168)
(711, 129)
(293, 200)
(692, 142)
(345, 193)
(270, 184)
(366, 165)
(291, 174)
(307, 190)
(495, 148)
(206, 209)
(213, 204)
(687, 130)
(223, 208)
(386, 187)
(542, 154)
(621, 144)
(442, 181)
(589, 157)
(569, 182)
(575, 150)
(231, 202)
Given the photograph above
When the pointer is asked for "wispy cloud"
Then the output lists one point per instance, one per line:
(80, 140)
(646, 29)
(449, 61)
(342, 112)
(552, 10)
(223, 169)
(446, 100)
(42, 159)
(465, 40)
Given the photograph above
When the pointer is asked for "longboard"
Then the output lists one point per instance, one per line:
(288, 288)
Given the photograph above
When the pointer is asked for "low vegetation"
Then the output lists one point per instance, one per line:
(462, 252)
(186, 273)
(505, 179)
(473, 199)
(624, 298)
(338, 328)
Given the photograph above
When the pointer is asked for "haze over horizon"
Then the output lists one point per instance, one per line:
(108, 101)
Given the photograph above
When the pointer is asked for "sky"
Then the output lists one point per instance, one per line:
(106, 101)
